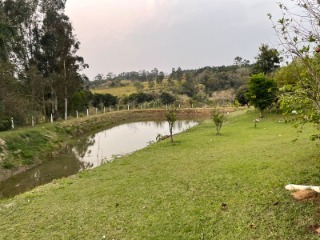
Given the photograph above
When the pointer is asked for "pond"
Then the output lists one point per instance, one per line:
(91, 152)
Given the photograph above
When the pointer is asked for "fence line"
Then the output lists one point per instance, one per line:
(98, 111)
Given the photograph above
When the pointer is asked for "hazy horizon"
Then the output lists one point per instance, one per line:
(122, 35)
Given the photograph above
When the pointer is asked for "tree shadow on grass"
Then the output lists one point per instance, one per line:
(174, 143)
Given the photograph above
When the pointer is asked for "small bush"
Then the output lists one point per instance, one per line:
(218, 119)
(7, 164)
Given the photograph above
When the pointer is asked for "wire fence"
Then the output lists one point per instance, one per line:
(91, 111)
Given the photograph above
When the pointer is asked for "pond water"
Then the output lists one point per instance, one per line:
(91, 152)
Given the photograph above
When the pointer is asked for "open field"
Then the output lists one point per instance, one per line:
(116, 91)
(126, 90)
(201, 187)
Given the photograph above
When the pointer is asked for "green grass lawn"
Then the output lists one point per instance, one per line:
(201, 187)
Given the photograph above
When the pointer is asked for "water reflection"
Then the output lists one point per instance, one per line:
(91, 152)
(124, 139)
(63, 166)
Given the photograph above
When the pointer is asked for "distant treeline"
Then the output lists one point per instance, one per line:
(206, 79)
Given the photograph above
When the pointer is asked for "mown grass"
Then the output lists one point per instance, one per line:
(201, 187)
(25, 147)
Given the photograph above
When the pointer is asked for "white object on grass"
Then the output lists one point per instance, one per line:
(302, 187)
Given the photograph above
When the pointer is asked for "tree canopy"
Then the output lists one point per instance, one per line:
(261, 92)
(38, 54)
(267, 60)
(299, 36)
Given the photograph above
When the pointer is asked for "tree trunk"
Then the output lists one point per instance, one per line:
(65, 92)
(171, 137)
(43, 99)
(261, 113)
(66, 108)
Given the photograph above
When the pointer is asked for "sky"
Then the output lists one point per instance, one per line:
(131, 35)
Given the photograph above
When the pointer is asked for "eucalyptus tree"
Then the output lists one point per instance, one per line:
(172, 74)
(179, 74)
(12, 102)
(22, 14)
(154, 73)
(38, 46)
(58, 59)
(6, 32)
(160, 77)
(239, 61)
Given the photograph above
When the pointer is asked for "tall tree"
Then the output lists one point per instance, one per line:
(39, 48)
(179, 74)
(59, 61)
(267, 60)
(172, 74)
(261, 92)
(160, 77)
(154, 73)
(238, 61)
(7, 34)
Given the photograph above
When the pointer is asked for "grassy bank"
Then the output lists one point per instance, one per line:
(201, 187)
(22, 148)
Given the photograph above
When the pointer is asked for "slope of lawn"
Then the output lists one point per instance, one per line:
(201, 187)
(116, 91)
(129, 88)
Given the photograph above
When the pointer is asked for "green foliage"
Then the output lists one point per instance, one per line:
(5, 123)
(299, 34)
(151, 83)
(290, 74)
(138, 85)
(197, 84)
(80, 100)
(261, 92)
(303, 96)
(105, 100)
(241, 62)
(267, 61)
(188, 88)
(160, 77)
(7, 33)
(167, 98)
(171, 117)
(37, 40)
(218, 119)
(241, 96)
(7, 164)
(138, 98)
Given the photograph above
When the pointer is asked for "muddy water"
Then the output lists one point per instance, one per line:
(91, 152)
